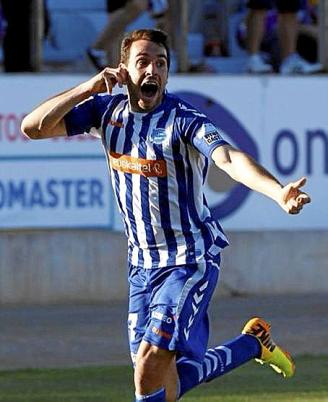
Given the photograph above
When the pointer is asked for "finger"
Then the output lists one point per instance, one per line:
(295, 210)
(293, 204)
(303, 202)
(109, 85)
(299, 183)
(124, 73)
(303, 199)
(111, 76)
(120, 80)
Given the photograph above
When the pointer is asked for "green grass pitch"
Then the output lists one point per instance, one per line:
(249, 383)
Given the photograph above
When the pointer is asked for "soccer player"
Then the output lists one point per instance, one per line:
(158, 149)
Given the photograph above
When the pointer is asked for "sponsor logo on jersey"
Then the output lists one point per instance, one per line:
(157, 136)
(144, 167)
(116, 123)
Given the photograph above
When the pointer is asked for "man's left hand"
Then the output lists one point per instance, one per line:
(292, 198)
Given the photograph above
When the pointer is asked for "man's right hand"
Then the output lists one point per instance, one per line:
(106, 80)
(47, 119)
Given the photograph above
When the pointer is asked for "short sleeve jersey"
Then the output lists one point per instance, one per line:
(158, 163)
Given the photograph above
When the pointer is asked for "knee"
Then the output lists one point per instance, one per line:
(151, 361)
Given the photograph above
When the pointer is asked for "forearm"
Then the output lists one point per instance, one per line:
(244, 169)
(47, 119)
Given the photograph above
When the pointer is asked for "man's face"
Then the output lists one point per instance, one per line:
(148, 71)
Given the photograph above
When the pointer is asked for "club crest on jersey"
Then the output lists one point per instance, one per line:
(157, 136)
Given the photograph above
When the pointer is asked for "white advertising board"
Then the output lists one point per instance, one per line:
(56, 192)
(60, 182)
(282, 122)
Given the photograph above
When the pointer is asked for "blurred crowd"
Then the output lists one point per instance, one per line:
(271, 36)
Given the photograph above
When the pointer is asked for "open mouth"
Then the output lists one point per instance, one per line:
(149, 89)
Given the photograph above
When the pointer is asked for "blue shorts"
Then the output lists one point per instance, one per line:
(168, 307)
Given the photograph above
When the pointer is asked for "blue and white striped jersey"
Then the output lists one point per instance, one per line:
(158, 163)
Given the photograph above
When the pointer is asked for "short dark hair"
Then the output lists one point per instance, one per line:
(153, 35)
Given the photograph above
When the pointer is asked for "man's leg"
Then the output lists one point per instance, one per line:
(288, 32)
(155, 376)
(161, 379)
(110, 38)
(288, 26)
(255, 30)
(178, 322)
(107, 47)
(255, 22)
(291, 61)
(254, 342)
(156, 369)
(217, 362)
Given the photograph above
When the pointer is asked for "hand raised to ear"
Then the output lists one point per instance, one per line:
(113, 76)
(106, 80)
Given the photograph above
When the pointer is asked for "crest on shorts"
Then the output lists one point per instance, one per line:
(157, 136)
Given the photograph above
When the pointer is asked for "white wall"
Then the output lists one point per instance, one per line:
(83, 266)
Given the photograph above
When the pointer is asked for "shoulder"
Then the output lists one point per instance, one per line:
(107, 100)
(188, 119)
(183, 108)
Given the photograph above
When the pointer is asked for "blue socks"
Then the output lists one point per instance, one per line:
(157, 396)
(217, 361)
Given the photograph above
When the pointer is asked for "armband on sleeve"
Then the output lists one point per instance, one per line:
(208, 137)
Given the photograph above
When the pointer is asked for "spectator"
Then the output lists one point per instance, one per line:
(216, 25)
(106, 50)
(291, 61)
(308, 33)
(196, 33)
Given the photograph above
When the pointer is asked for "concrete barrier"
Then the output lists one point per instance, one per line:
(62, 266)
(276, 262)
(79, 266)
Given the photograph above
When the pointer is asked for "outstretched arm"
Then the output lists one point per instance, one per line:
(47, 119)
(244, 169)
